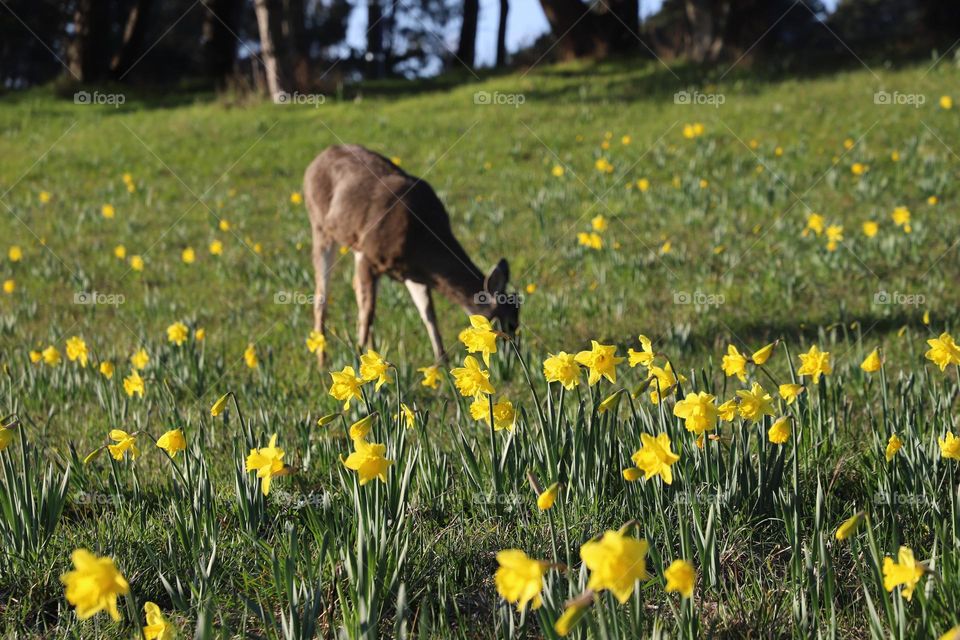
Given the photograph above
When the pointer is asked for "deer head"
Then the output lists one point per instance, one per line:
(500, 304)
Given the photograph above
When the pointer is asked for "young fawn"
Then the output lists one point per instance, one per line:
(394, 224)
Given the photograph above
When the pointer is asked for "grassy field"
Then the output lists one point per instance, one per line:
(804, 212)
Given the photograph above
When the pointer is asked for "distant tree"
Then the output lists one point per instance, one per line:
(595, 29)
(376, 67)
(89, 52)
(467, 46)
(134, 32)
(33, 36)
(502, 33)
(218, 39)
(270, 24)
(708, 30)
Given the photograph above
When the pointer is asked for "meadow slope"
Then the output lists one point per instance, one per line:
(804, 211)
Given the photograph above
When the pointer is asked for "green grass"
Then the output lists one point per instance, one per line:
(733, 214)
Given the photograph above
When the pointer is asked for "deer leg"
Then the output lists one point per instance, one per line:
(323, 259)
(424, 302)
(365, 286)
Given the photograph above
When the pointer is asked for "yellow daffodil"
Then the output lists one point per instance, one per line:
(546, 498)
(480, 337)
(133, 384)
(790, 391)
(250, 356)
(106, 369)
(431, 376)
(906, 572)
(901, 217)
(779, 432)
(316, 342)
(157, 627)
(94, 585)
(893, 445)
(616, 561)
(561, 368)
(177, 333)
(519, 579)
(172, 442)
(943, 351)
(219, 405)
(949, 446)
(599, 223)
(6, 437)
(368, 461)
(849, 526)
(655, 458)
(570, 618)
(815, 363)
(15, 254)
(409, 417)
(663, 382)
(188, 255)
(140, 359)
(216, 248)
(681, 578)
(346, 386)
(267, 462)
(374, 367)
(872, 363)
(728, 410)
(734, 363)
(108, 211)
(360, 428)
(755, 404)
(51, 356)
(9, 286)
(870, 228)
(125, 442)
(472, 381)
(643, 357)
(77, 350)
(763, 354)
(699, 412)
(815, 223)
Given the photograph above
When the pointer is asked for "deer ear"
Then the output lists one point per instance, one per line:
(496, 282)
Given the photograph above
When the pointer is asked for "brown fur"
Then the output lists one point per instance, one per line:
(395, 225)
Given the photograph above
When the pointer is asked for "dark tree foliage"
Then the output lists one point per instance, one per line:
(711, 30)
(32, 37)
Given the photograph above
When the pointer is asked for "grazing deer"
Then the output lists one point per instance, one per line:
(396, 225)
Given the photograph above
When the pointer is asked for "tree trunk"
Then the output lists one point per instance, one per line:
(269, 20)
(218, 41)
(375, 61)
(88, 54)
(467, 48)
(708, 23)
(608, 28)
(294, 34)
(134, 31)
(502, 34)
